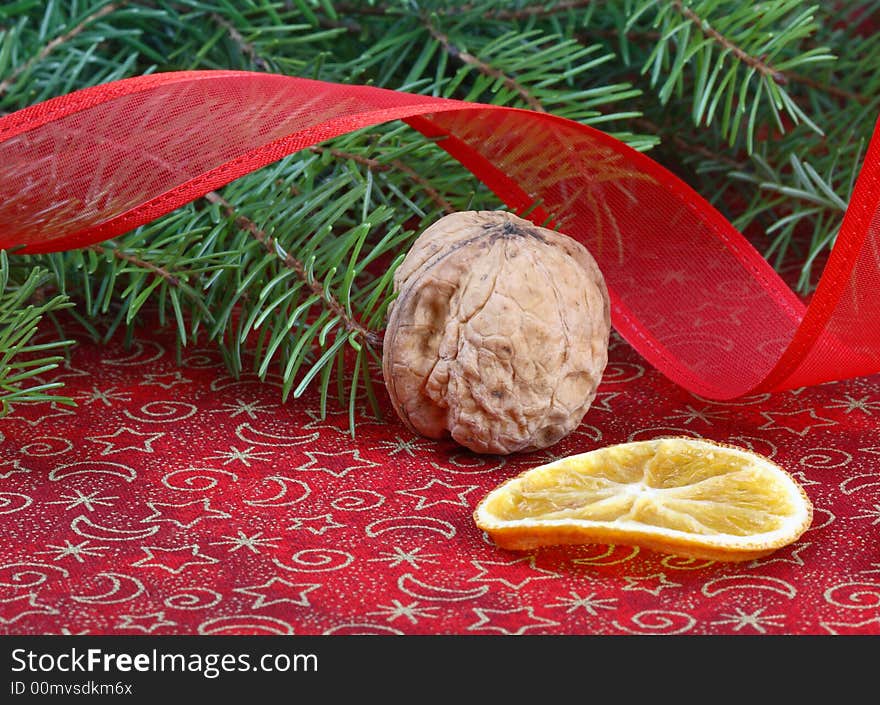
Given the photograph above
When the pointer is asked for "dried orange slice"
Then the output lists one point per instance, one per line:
(684, 496)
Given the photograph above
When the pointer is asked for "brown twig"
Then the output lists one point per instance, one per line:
(534, 10)
(753, 61)
(485, 68)
(246, 47)
(372, 337)
(781, 78)
(143, 264)
(778, 76)
(519, 14)
(55, 43)
(686, 146)
(836, 91)
(346, 23)
(401, 166)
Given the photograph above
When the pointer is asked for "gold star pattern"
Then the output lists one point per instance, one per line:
(10, 467)
(794, 556)
(316, 524)
(166, 380)
(14, 608)
(336, 464)
(509, 572)
(866, 626)
(757, 620)
(185, 515)
(799, 422)
(77, 551)
(602, 401)
(412, 447)
(147, 623)
(126, 439)
(174, 559)
(438, 492)
(850, 404)
(54, 413)
(591, 604)
(86, 500)
(651, 584)
(711, 314)
(412, 557)
(413, 611)
(252, 543)
(513, 621)
(243, 456)
(105, 396)
(276, 591)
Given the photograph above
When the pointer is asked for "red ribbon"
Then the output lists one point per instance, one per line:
(688, 291)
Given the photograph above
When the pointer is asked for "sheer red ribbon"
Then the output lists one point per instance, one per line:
(688, 291)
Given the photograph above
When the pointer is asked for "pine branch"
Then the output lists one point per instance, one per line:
(300, 294)
(740, 54)
(829, 88)
(352, 325)
(553, 67)
(538, 10)
(22, 361)
(376, 165)
(726, 46)
(780, 77)
(682, 144)
(137, 262)
(806, 206)
(53, 44)
(164, 263)
(247, 48)
(485, 69)
(523, 13)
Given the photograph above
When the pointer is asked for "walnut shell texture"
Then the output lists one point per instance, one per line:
(498, 335)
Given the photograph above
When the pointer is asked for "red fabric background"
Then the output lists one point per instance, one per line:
(177, 500)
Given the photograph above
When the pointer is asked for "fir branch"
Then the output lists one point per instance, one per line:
(782, 78)
(346, 23)
(645, 35)
(137, 262)
(799, 199)
(22, 306)
(685, 146)
(359, 8)
(739, 56)
(425, 184)
(537, 10)
(739, 53)
(523, 13)
(352, 325)
(55, 43)
(247, 48)
(376, 165)
(553, 73)
(831, 89)
(484, 68)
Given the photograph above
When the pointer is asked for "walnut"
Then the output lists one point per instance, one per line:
(498, 335)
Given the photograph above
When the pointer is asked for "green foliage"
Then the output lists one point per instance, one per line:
(732, 59)
(766, 108)
(22, 358)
